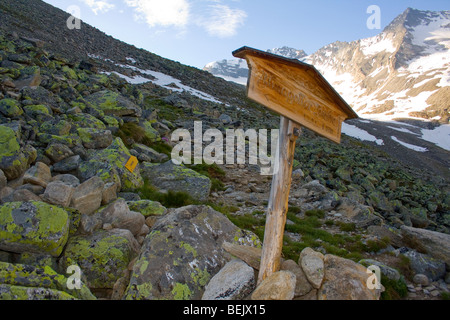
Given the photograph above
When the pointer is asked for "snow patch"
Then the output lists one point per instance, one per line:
(439, 136)
(374, 45)
(409, 146)
(360, 134)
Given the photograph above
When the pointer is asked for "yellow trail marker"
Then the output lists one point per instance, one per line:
(131, 163)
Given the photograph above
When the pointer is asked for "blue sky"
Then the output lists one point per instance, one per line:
(195, 32)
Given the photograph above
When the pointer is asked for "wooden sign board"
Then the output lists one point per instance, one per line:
(297, 91)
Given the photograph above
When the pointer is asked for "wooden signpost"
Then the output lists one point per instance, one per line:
(302, 96)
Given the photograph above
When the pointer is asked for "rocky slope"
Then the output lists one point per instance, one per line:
(70, 205)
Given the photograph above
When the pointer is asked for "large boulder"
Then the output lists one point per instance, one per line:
(33, 227)
(169, 176)
(421, 263)
(102, 256)
(10, 108)
(362, 215)
(14, 160)
(26, 282)
(345, 280)
(182, 253)
(109, 165)
(433, 243)
(113, 103)
(118, 215)
(95, 138)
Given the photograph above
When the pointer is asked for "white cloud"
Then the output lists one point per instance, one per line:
(161, 12)
(97, 6)
(222, 21)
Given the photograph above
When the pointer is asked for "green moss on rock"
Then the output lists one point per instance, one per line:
(103, 256)
(10, 108)
(33, 226)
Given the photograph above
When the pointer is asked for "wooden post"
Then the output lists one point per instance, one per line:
(278, 201)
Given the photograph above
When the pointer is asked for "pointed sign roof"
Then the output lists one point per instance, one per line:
(296, 90)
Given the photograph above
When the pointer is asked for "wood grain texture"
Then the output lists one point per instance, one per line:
(297, 91)
(278, 201)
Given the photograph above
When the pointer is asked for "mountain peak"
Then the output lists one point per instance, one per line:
(288, 52)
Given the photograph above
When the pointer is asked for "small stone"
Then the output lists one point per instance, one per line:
(435, 293)
(24, 195)
(278, 286)
(87, 197)
(109, 192)
(421, 279)
(67, 165)
(3, 180)
(68, 179)
(313, 266)
(95, 138)
(234, 281)
(59, 193)
(58, 152)
(302, 286)
(39, 174)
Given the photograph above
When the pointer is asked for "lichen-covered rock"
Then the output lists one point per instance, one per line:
(58, 152)
(56, 127)
(182, 253)
(113, 103)
(109, 165)
(147, 207)
(13, 292)
(29, 77)
(33, 226)
(95, 138)
(169, 176)
(26, 282)
(102, 256)
(10, 108)
(85, 120)
(151, 133)
(14, 160)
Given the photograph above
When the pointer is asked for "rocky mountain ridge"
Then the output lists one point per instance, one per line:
(403, 72)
